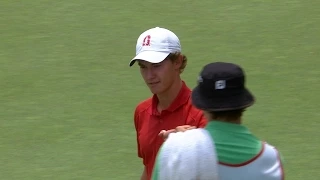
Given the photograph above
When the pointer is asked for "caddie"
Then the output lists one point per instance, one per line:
(223, 97)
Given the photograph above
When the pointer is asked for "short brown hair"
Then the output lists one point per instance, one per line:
(175, 56)
(231, 115)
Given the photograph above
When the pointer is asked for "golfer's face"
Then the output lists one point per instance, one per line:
(157, 75)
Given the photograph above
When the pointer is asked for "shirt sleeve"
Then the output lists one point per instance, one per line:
(137, 127)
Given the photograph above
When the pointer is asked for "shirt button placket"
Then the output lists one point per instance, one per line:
(160, 120)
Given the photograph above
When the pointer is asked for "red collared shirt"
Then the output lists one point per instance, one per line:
(149, 122)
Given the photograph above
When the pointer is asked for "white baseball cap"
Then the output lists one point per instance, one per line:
(155, 44)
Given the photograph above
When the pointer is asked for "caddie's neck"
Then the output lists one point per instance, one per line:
(232, 121)
(167, 97)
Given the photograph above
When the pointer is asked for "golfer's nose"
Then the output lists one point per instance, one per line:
(150, 73)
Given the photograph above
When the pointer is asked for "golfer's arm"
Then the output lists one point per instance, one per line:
(144, 174)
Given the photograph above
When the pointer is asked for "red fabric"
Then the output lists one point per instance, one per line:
(149, 122)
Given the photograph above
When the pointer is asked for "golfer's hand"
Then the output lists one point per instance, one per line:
(164, 134)
(184, 128)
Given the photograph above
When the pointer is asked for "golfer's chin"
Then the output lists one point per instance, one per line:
(155, 89)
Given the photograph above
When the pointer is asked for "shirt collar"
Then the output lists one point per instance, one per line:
(227, 127)
(180, 100)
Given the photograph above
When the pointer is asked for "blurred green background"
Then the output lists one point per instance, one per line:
(67, 93)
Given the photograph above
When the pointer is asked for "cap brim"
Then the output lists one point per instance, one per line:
(150, 56)
(239, 100)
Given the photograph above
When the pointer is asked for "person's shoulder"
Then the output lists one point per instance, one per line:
(189, 105)
(143, 105)
(269, 146)
(195, 150)
(272, 158)
(193, 111)
(271, 152)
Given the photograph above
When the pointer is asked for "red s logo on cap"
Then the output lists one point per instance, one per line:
(146, 41)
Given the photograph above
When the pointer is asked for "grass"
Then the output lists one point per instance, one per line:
(68, 95)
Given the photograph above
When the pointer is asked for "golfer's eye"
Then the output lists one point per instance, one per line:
(142, 67)
(156, 65)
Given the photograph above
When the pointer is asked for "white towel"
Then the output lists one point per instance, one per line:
(188, 155)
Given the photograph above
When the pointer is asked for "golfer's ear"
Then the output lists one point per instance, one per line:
(178, 61)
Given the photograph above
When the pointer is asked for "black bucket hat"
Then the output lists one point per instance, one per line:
(221, 87)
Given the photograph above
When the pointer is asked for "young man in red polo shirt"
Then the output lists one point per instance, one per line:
(158, 53)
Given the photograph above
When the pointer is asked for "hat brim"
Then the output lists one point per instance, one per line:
(239, 100)
(150, 56)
